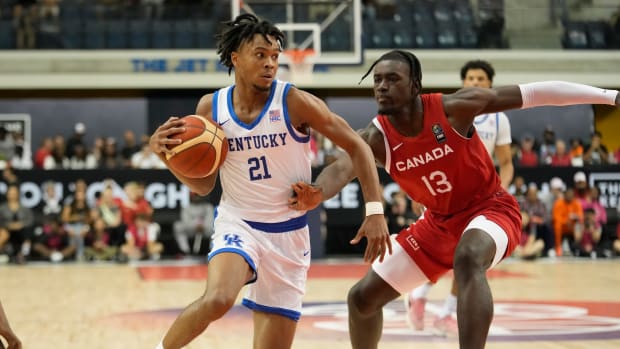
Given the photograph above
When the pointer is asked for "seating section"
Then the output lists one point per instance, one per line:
(425, 24)
(587, 35)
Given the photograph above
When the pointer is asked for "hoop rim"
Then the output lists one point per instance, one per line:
(297, 55)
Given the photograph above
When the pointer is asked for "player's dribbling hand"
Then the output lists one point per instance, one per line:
(376, 231)
(305, 197)
(160, 140)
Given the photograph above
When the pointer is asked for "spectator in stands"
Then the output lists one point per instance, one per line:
(16, 224)
(530, 246)
(567, 219)
(547, 147)
(24, 21)
(576, 152)
(43, 152)
(615, 158)
(54, 243)
(109, 157)
(59, 159)
(7, 145)
(135, 203)
(196, 222)
(22, 156)
(51, 199)
(561, 156)
(110, 210)
(141, 240)
(616, 242)
(399, 215)
(98, 149)
(129, 148)
(592, 200)
(581, 186)
(527, 155)
(556, 191)
(596, 153)
(9, 177)
(49, 35)
(539, 220)
(77, 138)
(588, 238)
(98, 246)
(146, 159)
(81, 159)
(76, 217)
(518, 188)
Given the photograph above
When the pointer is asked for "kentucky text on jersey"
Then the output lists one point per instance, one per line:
(424, 158)
(256, 142)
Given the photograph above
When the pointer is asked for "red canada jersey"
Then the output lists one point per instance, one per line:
(439, 168)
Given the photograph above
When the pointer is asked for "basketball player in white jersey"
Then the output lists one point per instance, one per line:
(494, 131)
(260, 239)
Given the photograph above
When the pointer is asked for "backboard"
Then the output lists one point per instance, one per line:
(332, 28)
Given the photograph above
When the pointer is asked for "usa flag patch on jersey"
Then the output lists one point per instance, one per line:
(274, 115)
(440, 136)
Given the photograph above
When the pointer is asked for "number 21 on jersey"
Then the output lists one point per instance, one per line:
(437, 183)
(258, 168)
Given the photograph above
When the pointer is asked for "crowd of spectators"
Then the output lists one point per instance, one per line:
(552, 151)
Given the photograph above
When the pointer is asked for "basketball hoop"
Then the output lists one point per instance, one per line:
(300, 64)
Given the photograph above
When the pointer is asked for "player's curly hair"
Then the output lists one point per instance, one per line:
(478, 64)
(240, 30)
(415, 68)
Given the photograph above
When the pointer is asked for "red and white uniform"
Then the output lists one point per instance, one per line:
(455, 179)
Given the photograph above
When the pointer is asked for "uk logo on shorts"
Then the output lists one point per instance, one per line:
(233, 240)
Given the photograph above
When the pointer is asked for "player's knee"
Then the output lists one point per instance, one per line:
(357, 303)
(215, 304)
(471, 257)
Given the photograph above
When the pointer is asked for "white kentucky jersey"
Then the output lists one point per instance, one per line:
(493, 129)
(264, 158)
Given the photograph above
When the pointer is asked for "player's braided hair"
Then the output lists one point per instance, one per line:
(240, 30)
(478, 64)
(415, 68)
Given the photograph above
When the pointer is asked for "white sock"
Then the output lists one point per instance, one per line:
(449, 306)
(421, 291)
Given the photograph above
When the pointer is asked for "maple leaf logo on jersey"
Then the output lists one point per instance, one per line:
(274, 115)
(440, 136)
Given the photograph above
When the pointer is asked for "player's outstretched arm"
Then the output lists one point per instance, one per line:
(475, 101)
(310, 110)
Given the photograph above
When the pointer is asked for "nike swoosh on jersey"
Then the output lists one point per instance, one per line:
(397, 146)
(225, 121)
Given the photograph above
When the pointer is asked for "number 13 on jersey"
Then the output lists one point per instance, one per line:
(437, 183)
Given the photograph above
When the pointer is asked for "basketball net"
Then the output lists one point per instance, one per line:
(300, 66)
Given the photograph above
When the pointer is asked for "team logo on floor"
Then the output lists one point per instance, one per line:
(513, 321)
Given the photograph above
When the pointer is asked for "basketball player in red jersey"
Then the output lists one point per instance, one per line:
(428, 145)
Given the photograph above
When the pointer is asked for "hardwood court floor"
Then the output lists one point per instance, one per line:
(546, 305)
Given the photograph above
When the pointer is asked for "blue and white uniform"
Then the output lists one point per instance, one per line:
(253, 218)
(493, 129)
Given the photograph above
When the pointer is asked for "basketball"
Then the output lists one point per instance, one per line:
(203, 150)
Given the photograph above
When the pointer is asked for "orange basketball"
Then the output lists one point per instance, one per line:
(203, 150)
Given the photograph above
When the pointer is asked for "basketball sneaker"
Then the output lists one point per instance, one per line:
(415, 312)
(446, 327)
